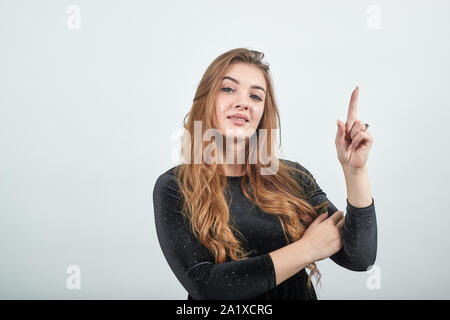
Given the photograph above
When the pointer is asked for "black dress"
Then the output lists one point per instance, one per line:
(252, 278)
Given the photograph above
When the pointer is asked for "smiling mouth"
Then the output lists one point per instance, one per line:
(238, 119)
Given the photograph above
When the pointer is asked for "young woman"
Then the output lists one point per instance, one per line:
(248, 229)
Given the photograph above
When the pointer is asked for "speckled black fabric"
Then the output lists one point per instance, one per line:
(252, 278)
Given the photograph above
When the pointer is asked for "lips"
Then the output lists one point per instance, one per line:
(239, 117)
(238, 121)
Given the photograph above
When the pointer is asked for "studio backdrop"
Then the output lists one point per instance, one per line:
(92, 99)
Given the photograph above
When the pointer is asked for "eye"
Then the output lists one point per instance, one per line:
(254, 96)
(257, 97)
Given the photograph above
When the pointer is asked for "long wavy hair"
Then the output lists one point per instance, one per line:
(203, 186)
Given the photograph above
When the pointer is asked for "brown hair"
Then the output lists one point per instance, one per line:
(202, 185)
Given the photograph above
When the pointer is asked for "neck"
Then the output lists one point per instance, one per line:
(234, 165)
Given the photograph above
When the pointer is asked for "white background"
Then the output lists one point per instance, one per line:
(86, 118)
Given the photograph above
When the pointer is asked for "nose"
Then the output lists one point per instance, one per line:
(242, 106)
(244, 101)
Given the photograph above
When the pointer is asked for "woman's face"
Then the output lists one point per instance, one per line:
(242, 94)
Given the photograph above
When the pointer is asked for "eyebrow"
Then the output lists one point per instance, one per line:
(253, 86)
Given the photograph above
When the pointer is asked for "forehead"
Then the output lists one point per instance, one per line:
(246, 74)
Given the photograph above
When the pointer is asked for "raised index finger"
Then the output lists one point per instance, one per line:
(353, 106)
(352, 111)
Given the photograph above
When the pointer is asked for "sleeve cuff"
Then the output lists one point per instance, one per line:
(361, 211)
(271, 270)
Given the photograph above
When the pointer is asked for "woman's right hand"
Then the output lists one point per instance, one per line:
(323, 237)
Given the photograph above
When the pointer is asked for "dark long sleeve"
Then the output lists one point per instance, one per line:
(193, 264)
(253, 278)
(359, 248)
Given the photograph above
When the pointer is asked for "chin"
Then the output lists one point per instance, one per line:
(239, 132)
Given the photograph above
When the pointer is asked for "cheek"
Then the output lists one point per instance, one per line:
(221, 105)
(257, 115)
(220, 112)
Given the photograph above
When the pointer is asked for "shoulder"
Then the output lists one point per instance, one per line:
(296, 165)
(290, 163)
(301, 174)
(169, 173)
(167, 184)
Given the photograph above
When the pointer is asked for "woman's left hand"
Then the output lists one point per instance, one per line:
(353, 141)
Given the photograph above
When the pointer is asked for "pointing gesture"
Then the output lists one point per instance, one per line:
(353, 141)
(352, 110)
